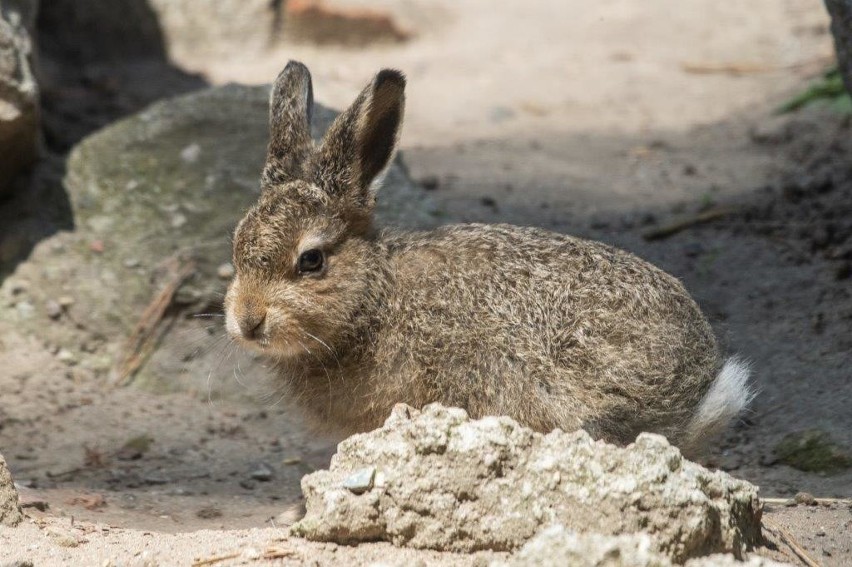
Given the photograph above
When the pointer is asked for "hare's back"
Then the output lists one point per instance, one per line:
(583, 325)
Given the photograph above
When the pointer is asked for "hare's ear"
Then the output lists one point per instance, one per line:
(290, 108)
(361, 142)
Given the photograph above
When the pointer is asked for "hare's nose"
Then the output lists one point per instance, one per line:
(251, 324)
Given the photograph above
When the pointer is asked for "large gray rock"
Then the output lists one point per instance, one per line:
(436, 479)
(10, 510)
(841, 28)
(181, 29)
(18, 90)
(169, 182)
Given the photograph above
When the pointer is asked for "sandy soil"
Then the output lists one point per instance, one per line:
(605, 120)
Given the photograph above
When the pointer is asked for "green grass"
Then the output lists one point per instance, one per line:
(829, 89)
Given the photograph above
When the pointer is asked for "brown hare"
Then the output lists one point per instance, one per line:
(552, 330)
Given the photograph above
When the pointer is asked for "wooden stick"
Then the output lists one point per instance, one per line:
(143, 339)
(682, 224)
(790, 541)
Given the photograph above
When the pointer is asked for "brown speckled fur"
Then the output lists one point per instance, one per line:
(551, 330)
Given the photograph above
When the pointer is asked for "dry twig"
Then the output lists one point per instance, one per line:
(791, 542)
(682, 224)
(144, 337)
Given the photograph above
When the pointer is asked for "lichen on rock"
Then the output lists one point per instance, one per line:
(443, 481)
(10, 509)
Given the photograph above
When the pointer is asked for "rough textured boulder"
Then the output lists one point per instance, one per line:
(10, 510)
(841, 28)
(169, 182)
(557, 546)
(438, 480)
(18, 90)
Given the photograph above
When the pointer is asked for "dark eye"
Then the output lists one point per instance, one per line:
(311, 261)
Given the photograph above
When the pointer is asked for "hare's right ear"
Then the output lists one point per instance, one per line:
(290, 108)
(361, 142)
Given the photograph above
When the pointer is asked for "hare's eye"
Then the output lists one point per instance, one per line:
(264, 261)
(311, 261)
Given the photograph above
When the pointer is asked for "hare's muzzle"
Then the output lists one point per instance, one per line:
(251, 323)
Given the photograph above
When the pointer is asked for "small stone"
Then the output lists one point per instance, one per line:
(97, 246)
(360, 481)
(262, 473)
(53, 309)
(131, 263)
(209, 513)
(178, 220)
(25, 309)
(248, 484)
(225, 271)
(820, 532)
(65, 301)
(291, 461)
(66, 356)
(62, 537)
(191, 153)
(805, 498)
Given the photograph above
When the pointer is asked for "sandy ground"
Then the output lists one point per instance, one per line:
(604, 120)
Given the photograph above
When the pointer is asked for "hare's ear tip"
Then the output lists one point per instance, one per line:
(294, 67)
(389, 77)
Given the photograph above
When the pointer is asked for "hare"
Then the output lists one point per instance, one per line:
(551, 330)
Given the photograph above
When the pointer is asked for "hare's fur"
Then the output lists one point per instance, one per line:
(552, 330)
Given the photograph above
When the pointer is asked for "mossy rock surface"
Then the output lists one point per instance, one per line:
(170, 181)
(812, 451)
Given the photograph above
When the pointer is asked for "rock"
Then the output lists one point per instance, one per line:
(53, 309)
(262, 473)
(812, 451)
(558, 547)
(10, 509)
(360, 481)
(445, 482)
(841, 29)
(126, 183)
(18, 90)
(805, 498)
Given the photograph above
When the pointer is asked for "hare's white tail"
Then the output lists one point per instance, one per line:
(729, 395)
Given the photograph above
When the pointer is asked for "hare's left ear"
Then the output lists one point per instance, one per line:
(361, 142)
(290, 108)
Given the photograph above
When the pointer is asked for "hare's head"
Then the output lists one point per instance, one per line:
(304, 255)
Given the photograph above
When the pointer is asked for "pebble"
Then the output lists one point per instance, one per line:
(178, 220)
(131, 263)
(820, 532)
(805, 498)
(62, 537)
(225, 271)
(191, 153)
(65, 301)
(361, 480)
(53, 309)
(25, 309)
(66, 356)
(262, 473)
(97, 246)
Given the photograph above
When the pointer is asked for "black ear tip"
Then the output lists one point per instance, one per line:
(390, 77)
